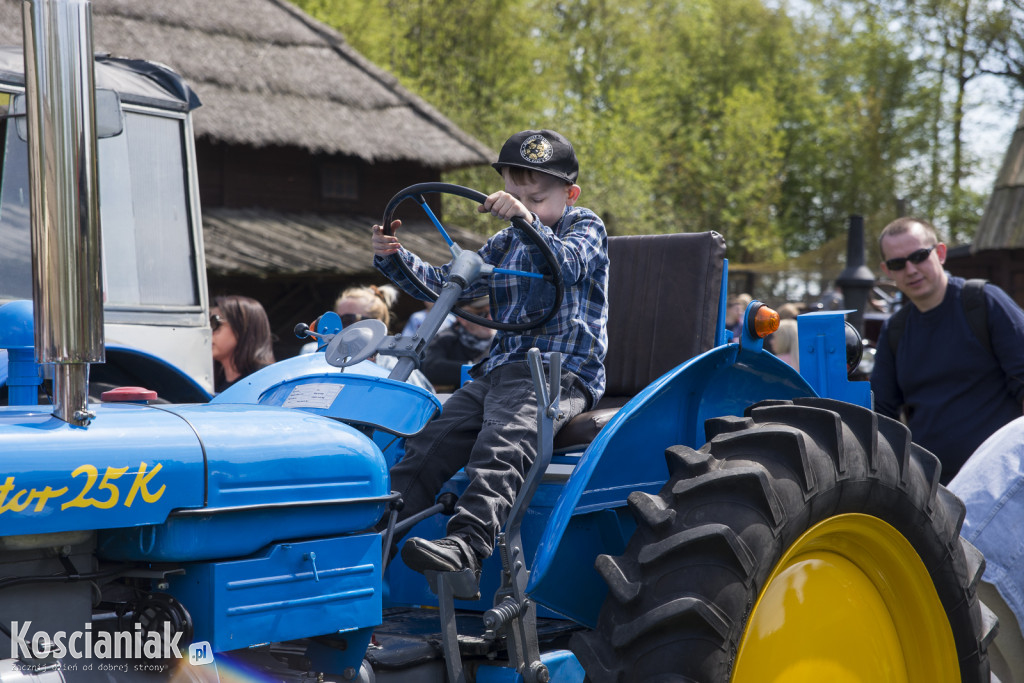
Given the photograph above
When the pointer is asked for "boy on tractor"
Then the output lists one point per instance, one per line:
(489, 426)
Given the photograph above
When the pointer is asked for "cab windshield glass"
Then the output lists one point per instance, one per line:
(148, 249)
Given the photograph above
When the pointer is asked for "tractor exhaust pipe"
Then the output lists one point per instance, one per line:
(856, 279)
(64, 194)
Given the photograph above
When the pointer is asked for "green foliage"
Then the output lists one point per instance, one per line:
(855, 129)
(717, 111)
(769, 123)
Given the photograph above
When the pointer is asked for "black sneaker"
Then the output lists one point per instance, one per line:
(448, 554)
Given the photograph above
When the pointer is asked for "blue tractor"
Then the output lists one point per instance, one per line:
(153, 274)
(719, 517)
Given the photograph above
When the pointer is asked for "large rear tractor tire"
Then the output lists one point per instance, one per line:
(808, 541)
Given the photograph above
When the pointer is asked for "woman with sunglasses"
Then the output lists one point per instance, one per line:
(939, 377)
(363, 302)
(242, 341)
(366, 301)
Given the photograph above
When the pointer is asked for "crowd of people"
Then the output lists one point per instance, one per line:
(951, 384)
(242, 341)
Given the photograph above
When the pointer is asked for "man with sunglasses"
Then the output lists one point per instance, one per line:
(951, 389)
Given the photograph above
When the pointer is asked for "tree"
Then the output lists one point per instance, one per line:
(952, 44)
(856, 127)
(770, 124)
(710, 92)
(595, 99)
(1005, 36)
(961, 36)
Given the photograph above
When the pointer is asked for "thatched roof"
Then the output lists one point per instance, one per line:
(270, 75)
(264, 243)
(1002, 224)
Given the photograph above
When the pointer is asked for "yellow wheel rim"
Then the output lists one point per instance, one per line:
(849, 602)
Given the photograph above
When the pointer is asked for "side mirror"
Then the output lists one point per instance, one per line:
(109, 117)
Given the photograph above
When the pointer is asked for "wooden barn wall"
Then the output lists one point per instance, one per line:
(289, 179)
(1004, 267)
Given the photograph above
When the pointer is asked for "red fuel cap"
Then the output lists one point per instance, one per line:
(128, 394)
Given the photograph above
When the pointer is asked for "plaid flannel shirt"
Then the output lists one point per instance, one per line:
(579, 329)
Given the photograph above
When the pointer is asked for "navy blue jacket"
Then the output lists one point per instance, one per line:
(955, 392)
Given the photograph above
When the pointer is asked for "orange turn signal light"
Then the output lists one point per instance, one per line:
(766, 321)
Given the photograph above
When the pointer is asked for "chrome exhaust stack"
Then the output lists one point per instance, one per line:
(67, 283)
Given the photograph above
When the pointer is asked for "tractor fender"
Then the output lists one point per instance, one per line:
(629, 455)
(362, 395)
(130, 366)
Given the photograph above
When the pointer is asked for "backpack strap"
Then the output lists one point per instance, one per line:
(975, 309)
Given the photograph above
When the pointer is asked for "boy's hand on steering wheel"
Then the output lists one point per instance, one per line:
(504, 205)
(550, 270)
(386, 245)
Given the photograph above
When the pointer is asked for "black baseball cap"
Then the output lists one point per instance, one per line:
(540, 150)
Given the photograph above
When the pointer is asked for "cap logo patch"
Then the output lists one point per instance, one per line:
(536, 149)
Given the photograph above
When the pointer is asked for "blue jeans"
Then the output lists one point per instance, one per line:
(991, 484)
(488, 427)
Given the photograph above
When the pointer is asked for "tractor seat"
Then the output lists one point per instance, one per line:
(663, 301)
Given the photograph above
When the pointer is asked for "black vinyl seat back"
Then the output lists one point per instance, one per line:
(663, 302)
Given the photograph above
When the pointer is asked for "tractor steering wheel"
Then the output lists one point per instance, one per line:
(554, 275)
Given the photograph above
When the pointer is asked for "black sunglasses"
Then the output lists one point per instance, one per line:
(350, 318)
(914, 257)
(215, 322)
